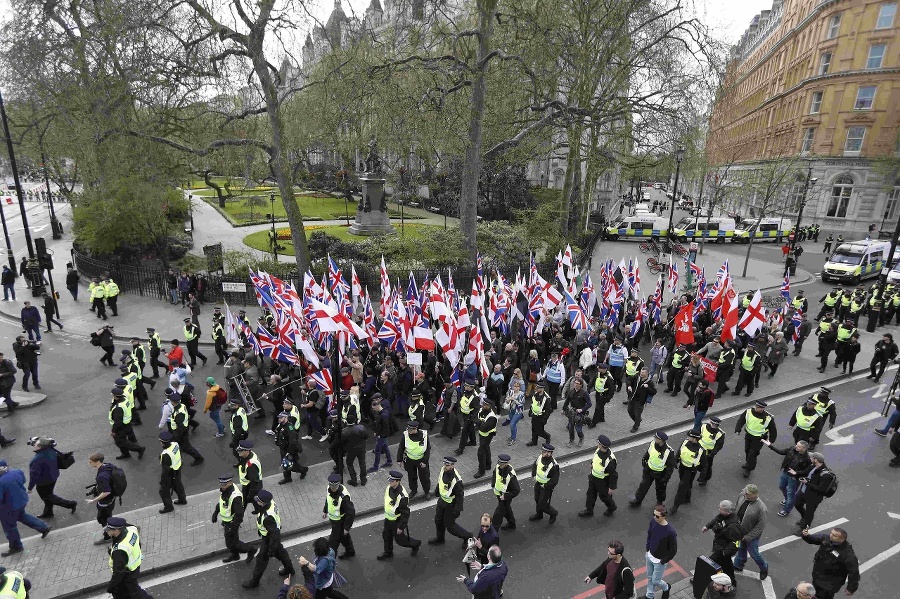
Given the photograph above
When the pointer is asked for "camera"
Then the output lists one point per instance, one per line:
(92, 490)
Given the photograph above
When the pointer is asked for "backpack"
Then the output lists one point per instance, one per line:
(221, 397)
(64, 459)
(95, 339)
(118, 483)
(833, 486)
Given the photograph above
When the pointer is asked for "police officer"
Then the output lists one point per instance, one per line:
(218, 317)
(659, 463)
(487, 429)
(13, 584)
(748, 367)
(830, 302)
(268, 525)
(545, 471)
(676, 370)
(240, 428)
(218, 337)
(155, 343)
(98, 294)
(828, 241)
(539, 411)
(416, 410)
(293, 413)
(287, 438)
(249, 471)
(340, 511)
(170, 479)
(633, 367)
(505, 484)
(414, 452)
(604, 388)
(844, 332)
(125, 557)
(192, 340)
(603, 479)
(230, 508)
(725, 368)
(112, 294)
(128, 392)
(120, 421)
(178, 426)
(350, 409)
(467, 412)
(450, 498)
(808, 423)
(800, 303)
(691, 460)
(712, 439)
(760, 425)
(396, 518)
(826, 407)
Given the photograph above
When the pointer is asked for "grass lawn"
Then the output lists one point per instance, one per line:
(254, 206)
(260, 239)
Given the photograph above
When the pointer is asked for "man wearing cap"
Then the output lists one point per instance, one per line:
(213, 407)
(178, 426)
(154, 342)
(640, 392)
(120, 421)
(826, 407)
(414, 452)
(691, 460)
(396, 518)
(749, 365)
(170, 460)
(468, 408)
(13, 584)
(725, 367)
(218, 337)
(633, 366)
(829, 301)
(506, 487)
(230, 508)
(125, 557)
(659, 463)
(268, 526)
(192, 340)
(13, 499)
(846, 330)
(98, 294)
(43, 472)
(885, 351)
(603, 479)
(719, 588)
(545, 471)
(450, 498)
(827, 333)
(341, 512)
(128, 389)
(604, 388)
(806, 423)
(416, 410)
(539, 411)
(287, 438)
(487, 429)
(249, 471)
(760, 425)
(751, 514)
(712, 439)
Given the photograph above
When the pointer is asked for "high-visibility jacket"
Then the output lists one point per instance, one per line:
(542, 475)
(708, 440)
(334, 503)
(251, 460)
(599, 465)
(174, 453)
(465, 403)
(755, 425)
(226, 504)
(824, 326)
(727, 356)
(179, 419)
(261, 518)
(446, 490)
(678, 359)
(155, 341)
(97, 291)
(501, 483)
(831, 299)
(126, 412)
(657, 459)
(689, 458)
(13, 585)
(537, 407)
(414, 449)
(240, 415)
(748, 362)
(485, 419)
(797, 303)
(391, 506)
(632, 366)
(129, 541)
(189, 332)
(822, 405)
(218, 332)
(805, 421)
(111, 289)
(845, 300)
(844, 333)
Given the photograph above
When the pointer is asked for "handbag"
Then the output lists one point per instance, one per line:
(64, 459)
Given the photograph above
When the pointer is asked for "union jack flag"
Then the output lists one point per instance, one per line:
(535, 309)
(796, 321)
(786, 288)
(657, 301)
(322, 379)
(638, 321)
(634, 278)
(262, 289)
(672, 284)
(576, 315)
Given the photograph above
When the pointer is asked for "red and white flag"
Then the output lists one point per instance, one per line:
(385, 306)
(729, 315)
(684, 324)
(754, 316)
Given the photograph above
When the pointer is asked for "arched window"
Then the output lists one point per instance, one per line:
(841, 190)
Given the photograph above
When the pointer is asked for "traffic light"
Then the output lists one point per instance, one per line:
(45, 259)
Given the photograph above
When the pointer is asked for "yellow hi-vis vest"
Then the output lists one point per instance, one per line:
(805, 422)
(97, 291)
(241, 415)
(180, 411)
(844, 334)
(132, 378)
(126, 412)
(600, 383)
(252, 460)
(293, 417)
(465, 403)
(390, 507)
(657, 459)
(726, 356)
(676, 360)
(831, 299)
(174, 453)
(128, 541)
(218, 332)
(261, 517)
(189, 334)
(414, 449)
(542, 475)
(226, 504)
(757, 426)
(537, 407)
(690, 459)
(334, 504)
(708, 440)
(747, 363)
(797, 303)
(631, 366)
(111, 289)
(14, 586)
(493, 430)
(825, 326)
(501, 483)
(155, 337)
(598, 466)
(445, 490)
(822, 406)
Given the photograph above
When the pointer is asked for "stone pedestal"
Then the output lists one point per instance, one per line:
(371, 213)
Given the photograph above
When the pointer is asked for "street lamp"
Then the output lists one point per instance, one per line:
(274, 235)
(679, 156)
(810, 181)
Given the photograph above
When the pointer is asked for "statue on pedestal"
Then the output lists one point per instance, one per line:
(373, 162)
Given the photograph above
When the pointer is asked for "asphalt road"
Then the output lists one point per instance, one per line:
(535, 550)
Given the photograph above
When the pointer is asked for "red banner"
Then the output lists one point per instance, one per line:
(684, 325)
(709, 369)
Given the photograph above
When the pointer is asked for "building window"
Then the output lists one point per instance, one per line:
(890, 207)
(840, 197)
(808, 136)
(834, 26)
(816, 103)
(886, 15)
(855, 137)
(865, 97)
(876, 56)
(824, 63)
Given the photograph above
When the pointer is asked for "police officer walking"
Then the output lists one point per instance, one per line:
(13, 584)
(712, 440)
(178, 426)
(604, 388)
(120, 421)
(451, 496)
(659, 462)
(339, 509)
(230, 508)
(192, 340)
(98, 294)
(240, 428)
(268, 525)
(249, 471)
(603, 479)
(287, 438)
(170, 460)
(725, 369)
(218, 337)
(414, 452)
(506, 488)
(545, 471)
(155, 343)
(691, 460)
(396, 518)
(466, 416)
(807, 422)
(760, 425)
(125, 557)
(539, 411)
(747, 370)
(487, 429)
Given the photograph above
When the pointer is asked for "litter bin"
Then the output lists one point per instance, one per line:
(704, 569)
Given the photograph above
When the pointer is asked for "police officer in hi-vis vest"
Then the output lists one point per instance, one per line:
(125, 557)
(468, 408)
(806, 423)
(120, 421)
(154, 341)
(249, 471)
(414, 452)
(170, 479)
(487, 429)
(712, 439)
(268, 525)
(450, 499)
(604, 389)
(539, 411)
(13, 584)
(505, 484)
(545, 471)
(603, 479)
(659, 463)
(339, 509)
(760, 425)
(691, 460)
(396, 518)
(192, 340)
(230, 508)
(240, 428)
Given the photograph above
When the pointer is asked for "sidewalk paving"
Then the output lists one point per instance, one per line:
(67, 564)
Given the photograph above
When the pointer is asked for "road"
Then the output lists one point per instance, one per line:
(535, 549)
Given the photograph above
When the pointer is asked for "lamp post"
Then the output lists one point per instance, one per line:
(875, 311)
(274, 235)
(810, 181)
(679, 156)
(54, 223)
(19, 193)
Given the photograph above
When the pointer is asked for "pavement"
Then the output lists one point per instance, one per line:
(26, 399)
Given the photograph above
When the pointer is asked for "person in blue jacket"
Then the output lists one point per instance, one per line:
(488, 582)
(43, 472)
(13, 499)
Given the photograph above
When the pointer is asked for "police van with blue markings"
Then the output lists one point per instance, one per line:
(717, 229)
(763, 229)
(642, 226)
(856, 260)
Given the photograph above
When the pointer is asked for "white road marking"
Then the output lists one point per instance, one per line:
(884, 555)
(881, 390)
(767, 586)
(790, 539)
(894, 516)
(835, 434)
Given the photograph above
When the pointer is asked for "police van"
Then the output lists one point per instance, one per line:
(763, 229)
(716, 228)
(641, 226)
(856, 260)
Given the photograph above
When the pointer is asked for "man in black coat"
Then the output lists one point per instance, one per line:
(834, 564)
(505, 484)
(287, 438)
(639, 392)
(727, 530)
(885, 351)
(622, 579)
(354, 438)
(813, 488)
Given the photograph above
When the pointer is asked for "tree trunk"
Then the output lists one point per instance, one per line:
(471, 171)
(573, 177)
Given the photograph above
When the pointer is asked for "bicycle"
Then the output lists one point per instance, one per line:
(679, 249)
(656, 266)
(650, 246)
